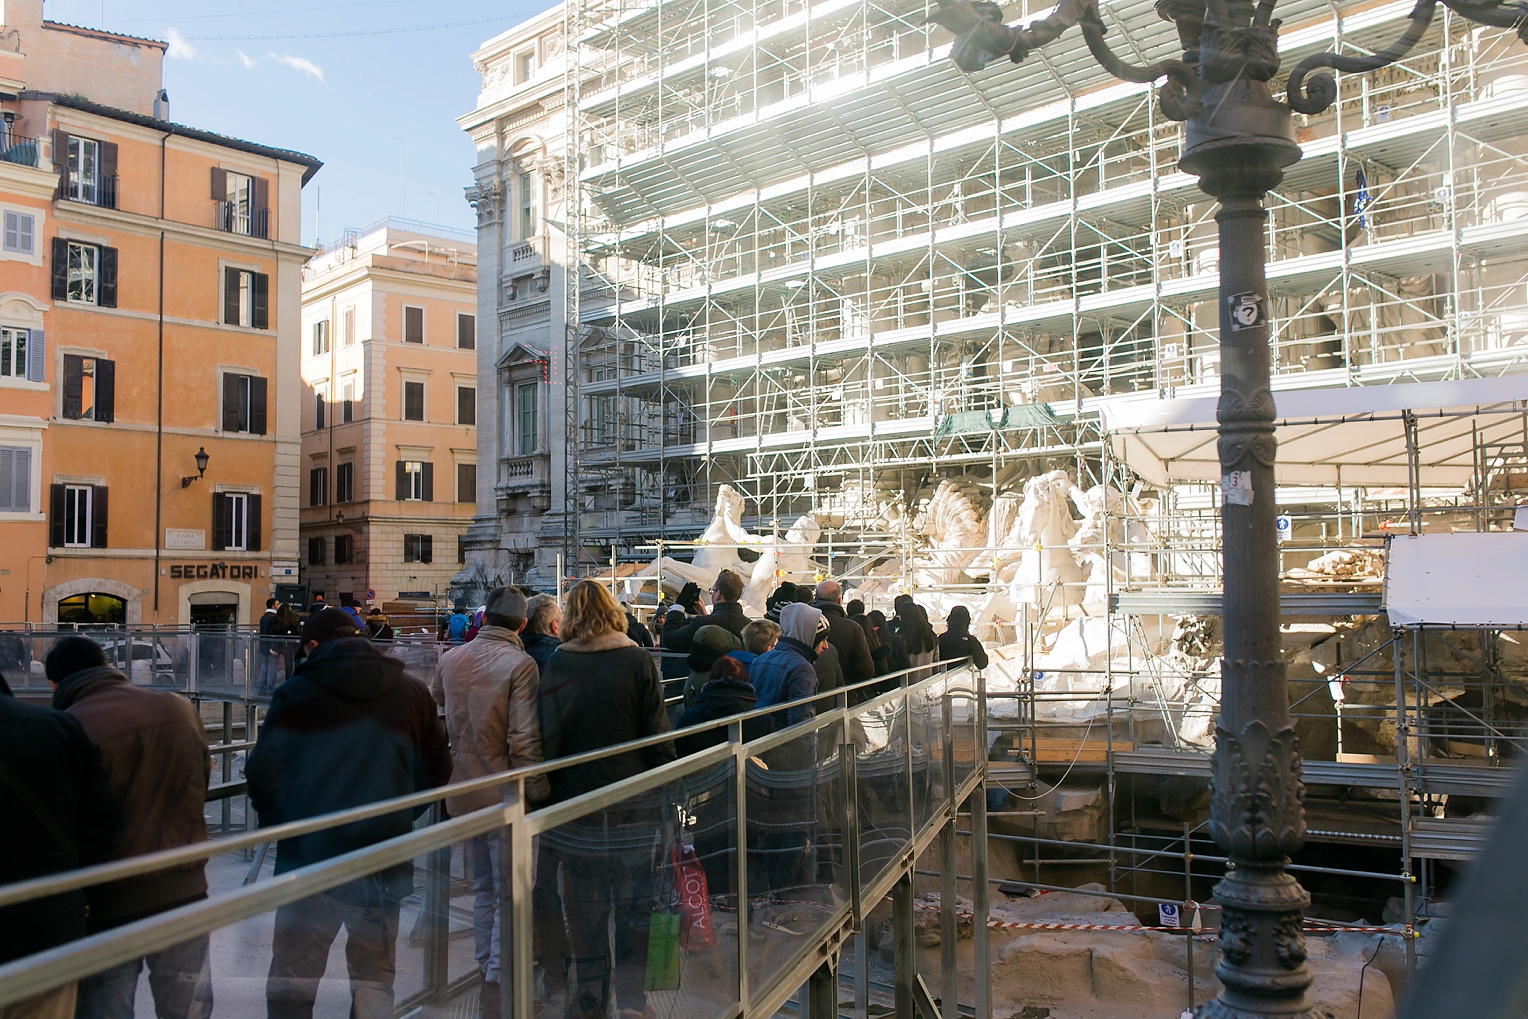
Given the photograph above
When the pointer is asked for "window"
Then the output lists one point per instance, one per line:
(413, 325)
(466, 331)
(320, 404)
(602, 423)
(525, 66)
(84, 273)
(347, 326)
(344, 482)
(90, 170)
(413, 401)
(466, 482)
(527, 206)
(417, 548)
(466, 405)
(236, 521)
(244, 403)
(77, 518)
(525, 406)
(344, 549)
(19, 235)
(15, 479)
(90, 385)
(347, 398)
(318, 486)
(243, 202)
(246, 298)
(415, 481)
(315, 551)
(21, 353)
(321, 337)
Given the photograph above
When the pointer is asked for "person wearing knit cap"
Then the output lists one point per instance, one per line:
(350, 728)
(709, 644)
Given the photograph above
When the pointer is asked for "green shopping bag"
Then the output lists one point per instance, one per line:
(662, 951)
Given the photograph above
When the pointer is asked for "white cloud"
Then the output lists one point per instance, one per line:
(247, 60)
(301, 64)
(180, 49)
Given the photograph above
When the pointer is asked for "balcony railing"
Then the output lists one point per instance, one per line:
(100, 190)
(241, 220)
(20, 149)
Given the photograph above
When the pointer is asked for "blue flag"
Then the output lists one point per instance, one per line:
(1361, 200)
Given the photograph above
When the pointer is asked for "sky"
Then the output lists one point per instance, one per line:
(371, 88)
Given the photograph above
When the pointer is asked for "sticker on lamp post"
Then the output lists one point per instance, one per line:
(1246, 311)
(1236, 488)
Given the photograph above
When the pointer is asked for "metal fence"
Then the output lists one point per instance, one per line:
(798, 835)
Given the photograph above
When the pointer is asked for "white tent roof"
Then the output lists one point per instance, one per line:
(1457, 580)
(1345, 436)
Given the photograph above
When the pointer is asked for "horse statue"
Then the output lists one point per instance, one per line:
(716, 550)
(1048, 575)
(788, 558)
(1110, 518)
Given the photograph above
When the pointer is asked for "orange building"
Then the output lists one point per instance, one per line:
(389, 442)
(150, 307)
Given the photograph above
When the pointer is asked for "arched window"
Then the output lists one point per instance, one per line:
(92, 610)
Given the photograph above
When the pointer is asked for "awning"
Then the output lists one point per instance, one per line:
(1464, 579)
(1346, 436)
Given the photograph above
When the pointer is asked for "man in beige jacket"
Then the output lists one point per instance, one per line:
(488, 687)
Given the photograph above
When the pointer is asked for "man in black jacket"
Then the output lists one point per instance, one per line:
(844, 634)
(59, 814)
(348, 729)
(726, 612)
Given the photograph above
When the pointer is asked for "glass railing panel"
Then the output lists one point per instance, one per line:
(879, 735)
(797, 857)
(964, 706)
(654, 869)
(926, 753)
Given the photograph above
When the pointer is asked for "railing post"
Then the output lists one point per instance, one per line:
(905, 941)
(849, 772)
(822, 993)
(437, 904)
(981, 946)
(949, 985)
(517, 881)
(740, 875)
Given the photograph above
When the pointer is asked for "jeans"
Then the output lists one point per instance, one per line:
(179, 979)
(483, 861)
(305, 931)
(619, 882)
(270, 670)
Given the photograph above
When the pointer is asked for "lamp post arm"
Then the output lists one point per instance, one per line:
(983, 37)
(1321, 91)
(1179, 94)
(1503, 15)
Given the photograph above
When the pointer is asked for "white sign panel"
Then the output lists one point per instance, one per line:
(1168, 914)
(1464, 579)
(184, 538)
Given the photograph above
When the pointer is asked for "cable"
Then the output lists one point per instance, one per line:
(1378, 945)
(499, 19)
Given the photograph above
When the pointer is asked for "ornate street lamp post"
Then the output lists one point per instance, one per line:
(1238, 141)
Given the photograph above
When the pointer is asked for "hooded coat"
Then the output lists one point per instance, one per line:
(710, 643)
(598, 692)
(720, 698)
(785, 673)
(154, 750)
(349, 728)
(488, 687)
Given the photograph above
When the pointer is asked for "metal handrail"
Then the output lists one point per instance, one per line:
(39, 973)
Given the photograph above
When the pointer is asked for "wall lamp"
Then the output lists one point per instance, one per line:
(201, 468)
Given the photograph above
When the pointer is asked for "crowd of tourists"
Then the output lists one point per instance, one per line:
(112, 770)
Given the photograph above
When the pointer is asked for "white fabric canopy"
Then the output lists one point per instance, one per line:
(1348, 436)
(1461, 579)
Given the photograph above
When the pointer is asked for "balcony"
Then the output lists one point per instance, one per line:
(524, 256)
(236, 218)
(100, 190)
(21, 150)
(524, 475)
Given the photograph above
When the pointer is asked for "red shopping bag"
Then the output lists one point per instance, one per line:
(695, 932)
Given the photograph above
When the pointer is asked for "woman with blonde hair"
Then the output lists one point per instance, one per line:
(600, 689)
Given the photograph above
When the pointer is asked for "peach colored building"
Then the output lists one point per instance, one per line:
(150, 279)
(389, 432)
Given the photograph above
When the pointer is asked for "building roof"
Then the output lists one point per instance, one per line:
(103, 34)
(127, 117)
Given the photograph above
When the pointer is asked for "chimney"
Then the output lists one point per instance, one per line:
(161, 105)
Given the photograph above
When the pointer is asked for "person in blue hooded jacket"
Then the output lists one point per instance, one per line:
(787, 674)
